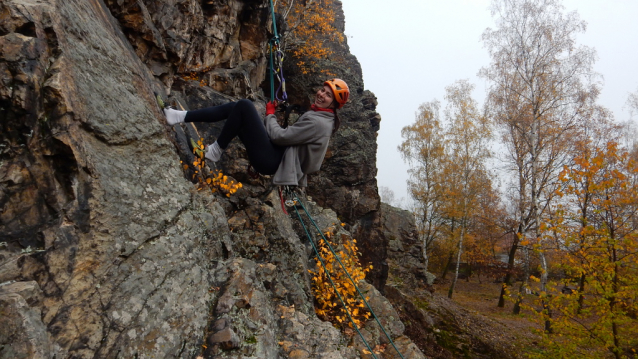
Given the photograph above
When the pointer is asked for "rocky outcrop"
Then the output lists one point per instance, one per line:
(438, 327)
(24, 334)
(108, 250)
(405, 249)
(95, 207)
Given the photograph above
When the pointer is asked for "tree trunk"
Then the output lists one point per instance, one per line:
(581, 293)
(524, 284)
(458, 262)
(510, 267)
(543, 289)
(447, 265)
(612, 303)
(583, 225)
(426, 260)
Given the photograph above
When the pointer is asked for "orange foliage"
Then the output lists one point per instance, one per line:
(214, 180)
(596, 231)
(310, 24)
(195, 76)
(329, 306)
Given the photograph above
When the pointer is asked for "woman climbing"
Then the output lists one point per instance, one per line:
(289, 153)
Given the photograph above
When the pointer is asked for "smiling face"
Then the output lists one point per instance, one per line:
(324, 97)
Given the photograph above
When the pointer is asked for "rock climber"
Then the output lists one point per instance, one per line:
(289, 153)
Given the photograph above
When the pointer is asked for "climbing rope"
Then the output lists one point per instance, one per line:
(274, 23)
(344, 269)
(276, 63)
(323, 265)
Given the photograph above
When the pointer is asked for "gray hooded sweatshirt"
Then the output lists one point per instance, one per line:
(307, 141)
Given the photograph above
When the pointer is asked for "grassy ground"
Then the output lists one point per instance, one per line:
(482, 298)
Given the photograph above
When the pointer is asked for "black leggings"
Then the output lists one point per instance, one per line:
(243, 120)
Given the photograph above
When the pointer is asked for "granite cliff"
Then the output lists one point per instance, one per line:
(109, 250)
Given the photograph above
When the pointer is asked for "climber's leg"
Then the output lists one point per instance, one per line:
(244, 121)
(210, 114)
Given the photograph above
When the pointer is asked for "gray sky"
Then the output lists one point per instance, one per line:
(410, 50)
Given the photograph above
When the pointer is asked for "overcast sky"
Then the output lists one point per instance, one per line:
(410, 50)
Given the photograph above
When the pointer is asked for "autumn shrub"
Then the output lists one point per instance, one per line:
(480, 257)
(196, 76)
(310, 25)
(214, 180)
(441, 255)
(598, 237)
(328, 306)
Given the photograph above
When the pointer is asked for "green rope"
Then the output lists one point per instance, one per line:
(331, 282)
(348, 274)
(274, 41)
(272, 76)
(274, 23)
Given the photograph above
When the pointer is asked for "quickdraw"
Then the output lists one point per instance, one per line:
(278, 70)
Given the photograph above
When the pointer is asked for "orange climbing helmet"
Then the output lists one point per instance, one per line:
(340, 90)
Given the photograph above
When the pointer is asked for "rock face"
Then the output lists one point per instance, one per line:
(95, 208)
(24, 334)
(405, 250)
(108, 250)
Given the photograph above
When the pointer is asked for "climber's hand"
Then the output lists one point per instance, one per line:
(270, 108)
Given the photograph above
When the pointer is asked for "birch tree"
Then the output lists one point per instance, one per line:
(467, 134)
(541, 84)
(423, 148)
(304, 27)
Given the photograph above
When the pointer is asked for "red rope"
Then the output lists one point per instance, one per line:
(283, 205)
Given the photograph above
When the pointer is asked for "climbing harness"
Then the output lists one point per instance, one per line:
(276, 63)
(298, 203)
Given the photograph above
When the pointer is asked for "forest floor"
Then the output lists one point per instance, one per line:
(482, 298)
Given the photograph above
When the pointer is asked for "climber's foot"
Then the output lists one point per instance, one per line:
(174, 116)
(214, 152)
